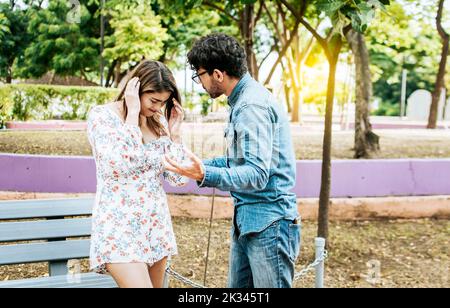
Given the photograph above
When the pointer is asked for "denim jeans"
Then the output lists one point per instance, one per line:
(265, 259)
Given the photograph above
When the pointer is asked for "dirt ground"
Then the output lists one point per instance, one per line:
(410, 253)
(208, 142)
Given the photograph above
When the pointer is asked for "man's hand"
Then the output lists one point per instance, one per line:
(195, 170)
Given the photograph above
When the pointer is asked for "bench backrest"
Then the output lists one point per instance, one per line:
(44, 222)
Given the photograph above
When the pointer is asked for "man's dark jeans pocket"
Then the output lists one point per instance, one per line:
(294, 240)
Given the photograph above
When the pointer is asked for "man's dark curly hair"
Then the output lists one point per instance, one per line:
(219, 51)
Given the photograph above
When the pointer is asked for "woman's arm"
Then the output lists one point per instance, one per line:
(174, 147)
(119, 149)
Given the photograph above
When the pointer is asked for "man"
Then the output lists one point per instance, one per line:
(259, 169)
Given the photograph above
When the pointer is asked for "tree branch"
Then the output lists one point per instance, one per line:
(347, 29)
(282, 53)
(259, 14)
(275, 25)
(441, 29)
(291, 8)
(282, 14)
(299, 17)
(220, 9)
(316, 34)
(274, 47)
(309, 46)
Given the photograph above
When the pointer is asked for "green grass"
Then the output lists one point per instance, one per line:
(208, 142)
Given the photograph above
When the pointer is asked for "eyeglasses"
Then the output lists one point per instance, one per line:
(196, 77)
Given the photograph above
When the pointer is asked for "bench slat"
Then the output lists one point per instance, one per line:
(54, 280)
(88, 280)
(107, 282)
(42, 252)
(41, 230)
(10, 210)
(56, 251)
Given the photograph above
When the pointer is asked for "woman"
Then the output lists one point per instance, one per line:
(132, 236)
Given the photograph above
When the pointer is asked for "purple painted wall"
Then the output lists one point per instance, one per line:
(376, 178)
(26, 173)
(350, 178)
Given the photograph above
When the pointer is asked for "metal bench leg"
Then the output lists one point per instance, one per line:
(58, 268)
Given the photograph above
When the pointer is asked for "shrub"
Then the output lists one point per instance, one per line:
(43, 102)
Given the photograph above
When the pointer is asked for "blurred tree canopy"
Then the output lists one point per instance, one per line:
(13, 39)
(57, 45)
(137, 34)
(410, 42)
(36, 38)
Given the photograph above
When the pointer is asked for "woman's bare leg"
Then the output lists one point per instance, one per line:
(130, 275)
(157, 272)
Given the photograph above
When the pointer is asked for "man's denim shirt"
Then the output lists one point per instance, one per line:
(259, 168)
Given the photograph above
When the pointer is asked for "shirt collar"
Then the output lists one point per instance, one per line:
(232, 100)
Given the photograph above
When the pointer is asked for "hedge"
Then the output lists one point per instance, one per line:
(24, 102)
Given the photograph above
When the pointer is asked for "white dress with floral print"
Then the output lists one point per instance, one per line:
(131, 221)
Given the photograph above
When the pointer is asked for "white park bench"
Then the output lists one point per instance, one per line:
(57, 231)
(53, 231)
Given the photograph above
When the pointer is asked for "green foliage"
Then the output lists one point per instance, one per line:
(4, 26)
(206, 103)
(41, 102)
(358, 13)
(137, 34)
(406, 43)
(209, 104)
(58, 44)
(184, 29)
(13, 38)
(387, 109)
(188, 20)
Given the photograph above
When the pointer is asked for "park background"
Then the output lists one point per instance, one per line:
(364, 83)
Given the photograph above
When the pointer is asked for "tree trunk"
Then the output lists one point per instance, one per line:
(117, 74)
(366, 141)
(325, 188)
(247, 29)
(295, 91)
(298, 92)
(52, 78)
(298, 58)
(9, 75)
(301, 99)
(440, 80)
(296, 106)
(287, 95)
(287, 89)
(292, 60)
(110, 74)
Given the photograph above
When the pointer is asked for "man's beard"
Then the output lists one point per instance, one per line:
(215, 91)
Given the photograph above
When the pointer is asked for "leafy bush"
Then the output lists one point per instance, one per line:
(44, 102)
(387, 109)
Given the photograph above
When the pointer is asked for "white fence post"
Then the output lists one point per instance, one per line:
(320, 268)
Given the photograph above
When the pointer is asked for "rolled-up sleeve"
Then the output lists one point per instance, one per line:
(253, 135)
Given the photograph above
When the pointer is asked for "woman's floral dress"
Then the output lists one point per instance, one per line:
(131, 222)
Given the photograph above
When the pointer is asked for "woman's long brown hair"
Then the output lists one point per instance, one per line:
(155, 77)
